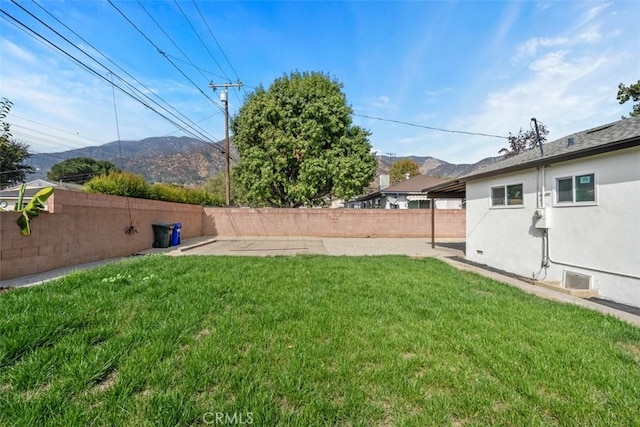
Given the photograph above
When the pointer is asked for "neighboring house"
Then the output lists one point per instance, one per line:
(407, 194)
(569, 218)
(9, 196)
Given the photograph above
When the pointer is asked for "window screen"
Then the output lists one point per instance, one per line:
(497, 196)
(514, 194)
(565, 190)
(575, 189)
(585, 188)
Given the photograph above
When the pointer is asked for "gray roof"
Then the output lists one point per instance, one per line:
(618, 135)
(413, 185)
(32, 187)
(609, 137)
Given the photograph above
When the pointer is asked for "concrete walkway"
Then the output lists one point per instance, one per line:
(450, 251)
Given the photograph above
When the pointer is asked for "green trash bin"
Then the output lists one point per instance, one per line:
(162, 235)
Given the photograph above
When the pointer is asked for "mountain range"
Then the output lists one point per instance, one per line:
(184, 160)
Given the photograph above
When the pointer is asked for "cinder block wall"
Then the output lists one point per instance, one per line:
(84, 227)
(333, 222)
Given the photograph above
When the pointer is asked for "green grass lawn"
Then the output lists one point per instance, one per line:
(306, 341)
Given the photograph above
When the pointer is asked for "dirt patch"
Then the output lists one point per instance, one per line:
(500, 406)
(30, 394)
(632, 349)
(108, 382)
(202, 334)
(387, 419)
(285, 405)
(205, 396)
(146, 392)
(481, 292)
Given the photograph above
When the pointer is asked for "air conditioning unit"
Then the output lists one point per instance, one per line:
(542, 218)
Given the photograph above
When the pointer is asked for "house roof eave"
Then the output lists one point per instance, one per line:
(458, 185)
(544, 161)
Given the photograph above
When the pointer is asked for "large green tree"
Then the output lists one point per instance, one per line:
(402, 167)
(632, 92)
(80, 169)
(216, 186)
(523, 141)
(297, 144)
(13, 154)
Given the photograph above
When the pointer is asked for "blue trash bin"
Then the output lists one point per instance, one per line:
(175, 235)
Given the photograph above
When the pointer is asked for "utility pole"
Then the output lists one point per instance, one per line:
(225, 99)
(390, 154)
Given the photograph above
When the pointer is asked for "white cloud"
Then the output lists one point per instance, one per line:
(507, 21)
(381, 102)
(18, 53)
(590, 36)
(552, 64)
(593, 12)
(65, 107)
(566, 91)
(436, 93)
(530, 47)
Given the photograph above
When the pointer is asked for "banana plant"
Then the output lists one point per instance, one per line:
(32, 209)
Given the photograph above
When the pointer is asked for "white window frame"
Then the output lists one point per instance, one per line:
(505, 205)
(556, 193)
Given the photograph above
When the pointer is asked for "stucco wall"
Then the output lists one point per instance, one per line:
(332, 222)
(83, 227)
(602, 236)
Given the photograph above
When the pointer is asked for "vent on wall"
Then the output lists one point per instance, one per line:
(573, 280)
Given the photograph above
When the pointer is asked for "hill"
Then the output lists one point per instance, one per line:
(436, 167)
(184, 160)
(179, 160)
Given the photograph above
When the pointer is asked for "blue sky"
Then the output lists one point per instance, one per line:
(484, 67)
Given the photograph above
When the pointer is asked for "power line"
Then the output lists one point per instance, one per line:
(430, 127)
(215, 39)
(189, 61)
(20, 25)
(219, 47)
(52, 127)
(54, 142)
(42, 39)
(201, 41)
(83, 65)
(161, 52)
(191, 124)
(191, 64)
(91, 70)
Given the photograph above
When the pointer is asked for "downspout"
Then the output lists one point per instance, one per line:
(540, 202)
(542, 177)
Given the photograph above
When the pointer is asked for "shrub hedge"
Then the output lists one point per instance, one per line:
(131, 185)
